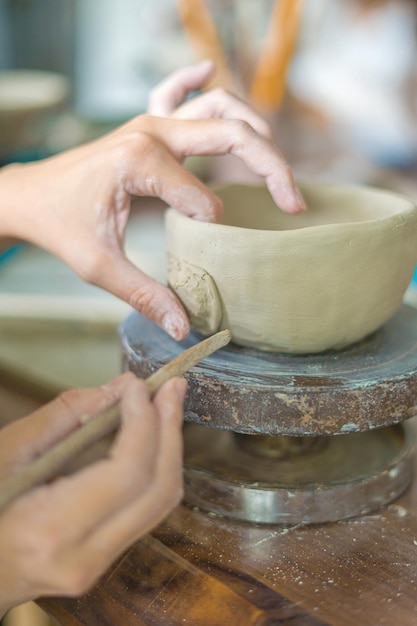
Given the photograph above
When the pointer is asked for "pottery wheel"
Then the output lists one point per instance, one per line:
(321, 479)
(271, 455)
(369, 385)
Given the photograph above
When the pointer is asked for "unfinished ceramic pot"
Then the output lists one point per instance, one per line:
(295, 283)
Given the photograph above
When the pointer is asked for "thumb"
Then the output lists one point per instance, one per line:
(122, 278)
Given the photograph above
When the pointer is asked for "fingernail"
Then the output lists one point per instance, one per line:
(300, 200)
(175, 326)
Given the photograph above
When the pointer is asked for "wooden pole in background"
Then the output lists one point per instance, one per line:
(268, 86)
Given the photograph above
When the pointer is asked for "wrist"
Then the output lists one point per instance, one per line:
(12, 197)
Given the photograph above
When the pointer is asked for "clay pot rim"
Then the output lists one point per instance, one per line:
(409, 212)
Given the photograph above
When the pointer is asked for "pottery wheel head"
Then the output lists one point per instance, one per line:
(369, 385)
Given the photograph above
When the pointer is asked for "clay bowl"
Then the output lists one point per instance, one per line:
(295, 283)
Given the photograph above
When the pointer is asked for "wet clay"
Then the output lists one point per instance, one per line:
(295, 283)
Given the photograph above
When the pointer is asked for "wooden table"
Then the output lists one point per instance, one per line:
(200, 569)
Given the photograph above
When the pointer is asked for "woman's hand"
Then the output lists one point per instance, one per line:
(59, 538)
(76, 205)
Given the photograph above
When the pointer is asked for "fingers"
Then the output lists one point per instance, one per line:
(167, 99)
(173, 90)
(26, 439)
(120, 277)
(81, 523)
(122, 529)
(147, 450)
(112, 271)
(218, 103)
(218, 137)
(164, 177)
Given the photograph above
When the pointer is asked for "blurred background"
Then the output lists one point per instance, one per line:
(345, 71)
(337, 80)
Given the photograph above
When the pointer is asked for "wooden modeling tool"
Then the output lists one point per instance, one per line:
(98, 426)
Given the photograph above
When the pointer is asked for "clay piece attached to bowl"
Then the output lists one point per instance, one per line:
(295, 283)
